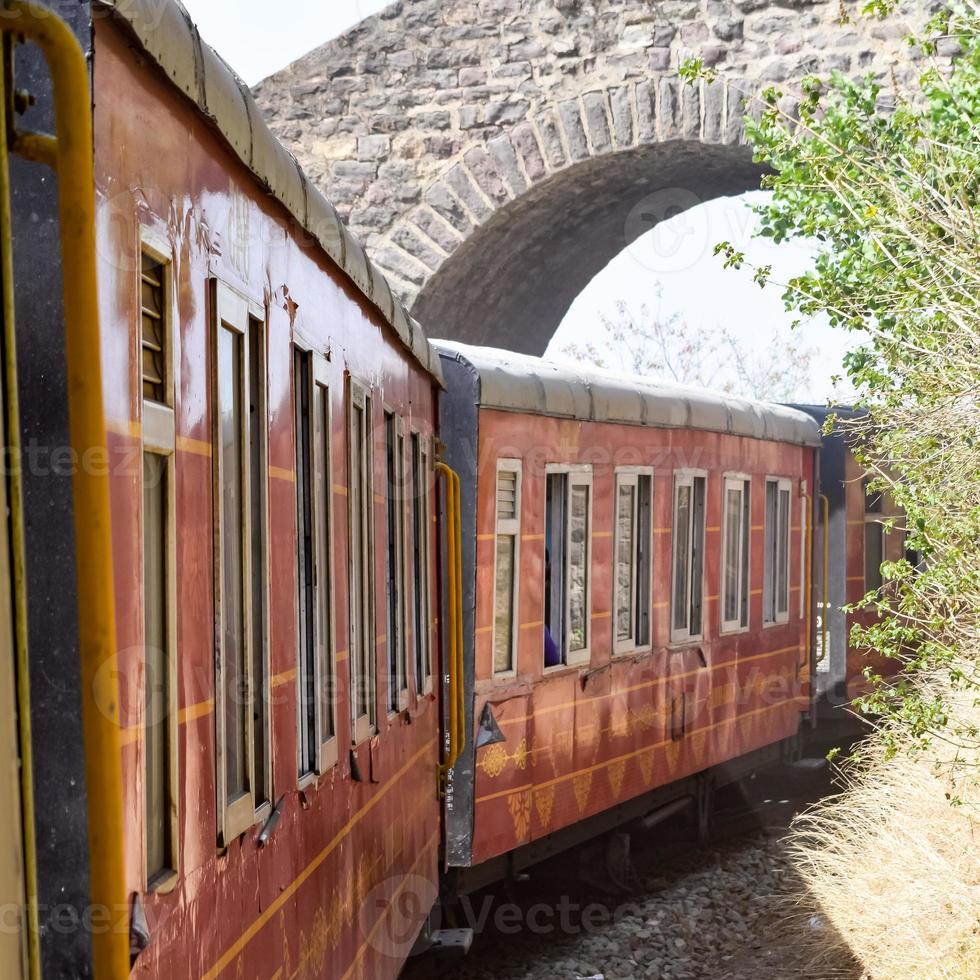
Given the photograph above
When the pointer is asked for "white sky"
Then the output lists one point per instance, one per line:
(257, 37)
(257, 40)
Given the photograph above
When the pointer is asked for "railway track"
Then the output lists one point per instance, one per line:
(675, 909)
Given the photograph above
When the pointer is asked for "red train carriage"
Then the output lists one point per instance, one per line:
(637, 596)
(271, 412)
(851, 540)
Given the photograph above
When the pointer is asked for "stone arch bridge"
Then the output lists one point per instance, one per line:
(494, 155)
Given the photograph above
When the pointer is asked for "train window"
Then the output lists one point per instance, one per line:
(775, 592)
(239, 570)
(687, 593)
(735, 554)
(159, 580)
(874, 545)
(323, 571)
(568, 555)
(306, 605)
(394, 561)
(154, 327)
(258, 461)
(361, 550)
(506, 563)
(420, 563)
(317, 726)
(632, 551)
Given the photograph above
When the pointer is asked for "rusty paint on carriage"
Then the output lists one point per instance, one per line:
(302, 905)
(580, 739)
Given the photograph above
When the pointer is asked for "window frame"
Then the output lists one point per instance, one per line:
(397, 646)
(323, 584)
(419, 447)
(873, 513)
(508, 528)
(780, 617)
(686, 477)
(577, 475)
(741, 482)
(324, 661)
(631, 475)
(230, 310)
(258, 314)
(366, 725)
(158, 437)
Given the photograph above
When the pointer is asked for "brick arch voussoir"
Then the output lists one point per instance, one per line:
(487, 176)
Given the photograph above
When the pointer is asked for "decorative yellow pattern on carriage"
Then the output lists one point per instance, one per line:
(615, 773)
(582, 786)
(544, 801)
(519, 805)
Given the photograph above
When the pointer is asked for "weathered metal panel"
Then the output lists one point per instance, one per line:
(459, 430)
(582, 739)
(316, 899)
(167, 35)
(520, 383)
(52, 629)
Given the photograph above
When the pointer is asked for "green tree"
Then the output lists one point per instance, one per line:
(886, 179)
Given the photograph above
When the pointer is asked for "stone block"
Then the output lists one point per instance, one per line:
(461, 184)
(646, 111)
(408, 239)
(597, 120)
(571, 121)
(554, 151)
(525, 141)
(622, 113)
(399, 263)
(504, 156)
(483, 171)
(444, 203)
(373, 147)
(436, 229)
(339, 148)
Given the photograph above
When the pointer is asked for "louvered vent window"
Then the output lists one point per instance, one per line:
(154, 329)
(506, 495)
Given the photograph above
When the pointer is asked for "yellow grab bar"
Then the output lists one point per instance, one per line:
(457, 694)
(808, 566)
(73, 160)
(825, 606)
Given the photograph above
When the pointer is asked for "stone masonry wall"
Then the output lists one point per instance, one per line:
(424, 120)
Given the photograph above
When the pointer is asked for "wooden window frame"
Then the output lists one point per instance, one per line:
(686, 477)
(509, 527)
(631, 476)
(421, 444)
(158, 437)
(257, 314)
(362, 726)
(323, 587)
(742, 483)
(578, 475)
(779, 617)
(397, 646)
(323, 609)
(232, 310)
(873, 515)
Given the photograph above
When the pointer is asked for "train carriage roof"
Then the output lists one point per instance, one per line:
(168, 36)
(519, 383)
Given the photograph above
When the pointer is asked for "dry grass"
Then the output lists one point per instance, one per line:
(893, 862)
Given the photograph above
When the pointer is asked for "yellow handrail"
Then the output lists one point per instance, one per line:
(457, 695)
(96, 612)
(808, 604)
(824, 626)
